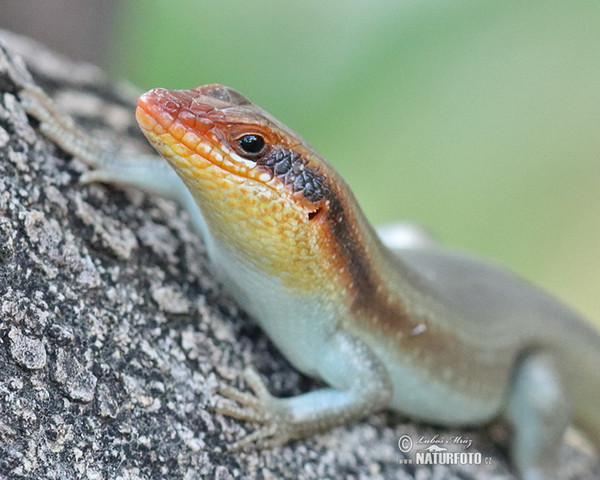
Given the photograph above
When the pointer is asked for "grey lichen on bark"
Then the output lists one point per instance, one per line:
(113, 331)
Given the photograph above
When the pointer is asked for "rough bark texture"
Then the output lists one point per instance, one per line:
(113, 331)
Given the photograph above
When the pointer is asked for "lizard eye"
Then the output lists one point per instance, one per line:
(252, 144)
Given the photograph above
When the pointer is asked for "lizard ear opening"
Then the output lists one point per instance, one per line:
(315, 214)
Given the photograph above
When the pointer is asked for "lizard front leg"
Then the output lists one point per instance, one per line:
(360, 385)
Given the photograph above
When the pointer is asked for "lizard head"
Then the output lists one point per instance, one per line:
(261, 188)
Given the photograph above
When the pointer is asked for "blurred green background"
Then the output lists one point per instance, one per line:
(477, 119)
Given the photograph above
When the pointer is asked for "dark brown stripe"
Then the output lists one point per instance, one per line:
(368, 301)
(384, 311)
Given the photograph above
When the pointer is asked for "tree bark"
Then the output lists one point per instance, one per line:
(114, 332)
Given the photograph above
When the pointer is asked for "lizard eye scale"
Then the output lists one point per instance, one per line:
(252, 144)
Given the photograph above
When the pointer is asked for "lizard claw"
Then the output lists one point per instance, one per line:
(257, 407)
